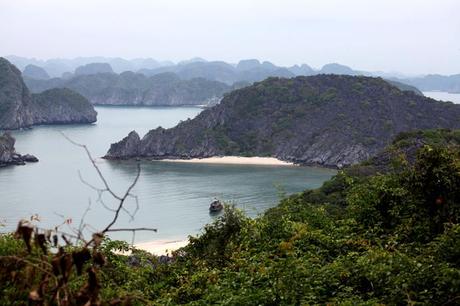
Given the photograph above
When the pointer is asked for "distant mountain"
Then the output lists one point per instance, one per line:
(248, 64)
(18, 108)
(35, 72)
(335, 68)
(93, 68)
(129, 88)
(303, 69)
(327, 120)
(435, 82)
(245, 71)
(57, 66)
(192, 60)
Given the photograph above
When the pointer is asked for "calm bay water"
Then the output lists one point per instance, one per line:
(173, 197)
(443, 96)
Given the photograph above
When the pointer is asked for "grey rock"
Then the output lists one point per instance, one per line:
(129, 146)
(29, 158)
(8, 154)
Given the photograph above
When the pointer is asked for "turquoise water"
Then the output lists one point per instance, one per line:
(172, 197)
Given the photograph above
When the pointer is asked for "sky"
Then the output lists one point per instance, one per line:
(408, 36)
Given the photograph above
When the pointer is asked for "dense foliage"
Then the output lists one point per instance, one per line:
(389, 237)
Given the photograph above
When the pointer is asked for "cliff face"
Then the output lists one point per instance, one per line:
(130, 88)
(6, 148)
(18, 108)
(326, 120)
(15, 99)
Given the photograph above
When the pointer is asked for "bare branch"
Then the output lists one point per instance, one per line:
(136, 229)
(93, 161)
(80, 227)
(122, 200)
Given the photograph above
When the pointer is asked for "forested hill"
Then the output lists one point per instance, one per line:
(328, 120)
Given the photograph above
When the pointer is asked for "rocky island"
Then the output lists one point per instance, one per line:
(8, 154)
(326, 120)
(129, 88)
(19, 108)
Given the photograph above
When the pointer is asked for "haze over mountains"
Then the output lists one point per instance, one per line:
(247, 71)
(187, 68)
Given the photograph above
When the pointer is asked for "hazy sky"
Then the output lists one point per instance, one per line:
(409, 36)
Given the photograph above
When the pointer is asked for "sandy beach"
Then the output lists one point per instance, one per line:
(161, 247)
(234, 160)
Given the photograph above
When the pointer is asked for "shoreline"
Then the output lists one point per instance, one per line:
(161, 247)
(233, 160)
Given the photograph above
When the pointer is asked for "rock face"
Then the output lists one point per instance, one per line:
(35, 72)
(128, 146)
(18, 108)
(327, 120)
(8, 155)
(94, 68)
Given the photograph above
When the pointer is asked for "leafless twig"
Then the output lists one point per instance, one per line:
(121, 198)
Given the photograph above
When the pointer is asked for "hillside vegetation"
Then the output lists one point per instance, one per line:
(365, 237)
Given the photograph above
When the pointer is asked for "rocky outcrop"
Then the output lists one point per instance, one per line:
(19, 109)
(327, 120)
(128, 146)
(8, 154)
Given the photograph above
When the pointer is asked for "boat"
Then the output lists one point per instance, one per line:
(216, 206)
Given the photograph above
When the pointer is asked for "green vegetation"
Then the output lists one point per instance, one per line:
(365, 237)
(61, 97)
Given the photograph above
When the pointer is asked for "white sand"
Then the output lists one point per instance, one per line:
(234, 160)
(161, 247)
